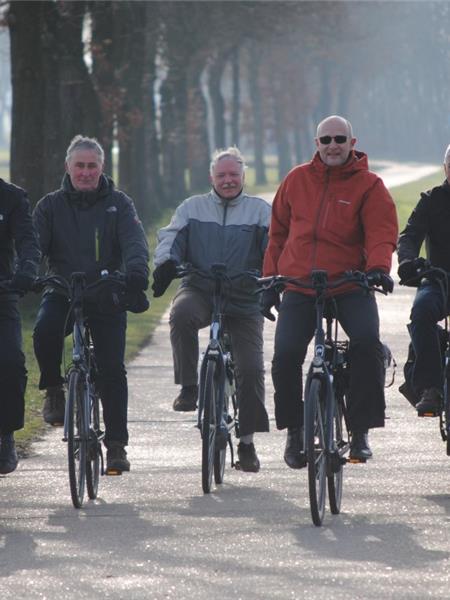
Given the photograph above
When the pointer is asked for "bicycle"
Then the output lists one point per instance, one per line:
(326, 436)
(217, 410)
(440, 277)
(82, 423)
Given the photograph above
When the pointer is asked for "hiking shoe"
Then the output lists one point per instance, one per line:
(248, 460)
(8, 454)
(116, 458)
(430, 402)
(359, 446)
(187, 399)
(293, 456)
(54, 406)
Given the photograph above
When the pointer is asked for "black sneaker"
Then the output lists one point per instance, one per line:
(294, 446)
(248, 460)
(430, 403)
(54, 406)
(8, 454)
(116, 458)
(359, 446)
(187, 399)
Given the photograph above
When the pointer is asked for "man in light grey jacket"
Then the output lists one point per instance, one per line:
(223, 226)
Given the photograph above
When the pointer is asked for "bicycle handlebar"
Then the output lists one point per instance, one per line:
(61, 282)
(218, 271)
(428, 272)
(319, 282)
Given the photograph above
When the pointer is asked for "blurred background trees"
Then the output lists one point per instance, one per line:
(162, 84)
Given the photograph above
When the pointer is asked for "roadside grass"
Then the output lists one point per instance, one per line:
(141, 327)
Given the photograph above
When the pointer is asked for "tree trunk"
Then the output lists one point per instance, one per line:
(28, 97)
(217, 102)
(257, 112)
(197, 133)
(236, 98)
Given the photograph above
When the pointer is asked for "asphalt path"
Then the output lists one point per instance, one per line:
(153, 534)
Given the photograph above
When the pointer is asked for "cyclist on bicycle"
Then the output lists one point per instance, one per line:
(16, 233)
(87, 225)
(428, 222)
(332, 214)
(223, 226)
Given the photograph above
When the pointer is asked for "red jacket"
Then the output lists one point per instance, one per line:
(332, 218)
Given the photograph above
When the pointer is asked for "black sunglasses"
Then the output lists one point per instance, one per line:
(339, 139)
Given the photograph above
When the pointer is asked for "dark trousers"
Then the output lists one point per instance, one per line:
(13, 375)
(428, 308)
(358, 316)
(109, 335)
(190, 312)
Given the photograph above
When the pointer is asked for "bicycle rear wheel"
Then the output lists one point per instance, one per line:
(76, 437)
(94, 448)
(208, 389)
(336, 471)
(220, 455)
(315, 449)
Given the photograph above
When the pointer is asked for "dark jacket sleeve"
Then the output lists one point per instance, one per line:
(25, 238)
(132, 238)
(417, 227)
(41, 220)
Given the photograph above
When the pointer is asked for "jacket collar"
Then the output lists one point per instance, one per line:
(224, 201)
(86, 199)
(357, 161)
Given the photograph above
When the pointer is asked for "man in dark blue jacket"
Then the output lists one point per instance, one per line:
(16, 233)
(429, 222)
(87, 225)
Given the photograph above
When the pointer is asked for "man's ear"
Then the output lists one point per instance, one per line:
(353, 142)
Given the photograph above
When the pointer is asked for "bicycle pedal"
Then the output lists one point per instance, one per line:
(356, 461)
(237, 466)
(113, 472)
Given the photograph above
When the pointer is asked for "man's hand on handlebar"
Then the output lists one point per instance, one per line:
(381, 279)
(410, 269)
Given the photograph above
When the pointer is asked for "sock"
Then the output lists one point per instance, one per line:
(247, 439)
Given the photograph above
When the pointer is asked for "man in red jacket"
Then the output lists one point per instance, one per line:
(333, 214)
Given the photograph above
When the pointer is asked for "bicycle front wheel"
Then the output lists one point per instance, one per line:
(336, 471)
(94, 448)
(315, 449)
(208, 424)
(76, 437)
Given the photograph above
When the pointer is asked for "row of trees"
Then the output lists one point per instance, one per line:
(166, 82)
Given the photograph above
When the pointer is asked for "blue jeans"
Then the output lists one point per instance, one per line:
(358, 316)
(428, 309)
(108, 334)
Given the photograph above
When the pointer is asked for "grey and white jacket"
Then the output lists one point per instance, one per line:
(205, 229)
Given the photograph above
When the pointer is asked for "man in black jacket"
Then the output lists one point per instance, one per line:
(429, 222)
(16, 233)
(87, 225)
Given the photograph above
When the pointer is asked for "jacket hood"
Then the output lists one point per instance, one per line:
(86, 199)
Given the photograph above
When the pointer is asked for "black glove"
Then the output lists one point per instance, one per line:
(163, 276)
(136, 282)
(22, 282)
(381, 279)
(269, 298)
(409, 269)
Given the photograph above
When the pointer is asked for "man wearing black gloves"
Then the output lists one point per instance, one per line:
(428, 222)
(224, 226)
(16, 233)
(333, 214)
(87, 225)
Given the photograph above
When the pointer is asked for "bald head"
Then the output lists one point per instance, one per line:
(334, 140)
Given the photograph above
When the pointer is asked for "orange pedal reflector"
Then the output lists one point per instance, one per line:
(113, 472)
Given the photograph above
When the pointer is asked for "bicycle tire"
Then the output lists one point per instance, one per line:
(220, 456)
(208, 424)
(76, 437)
(336, 478)
(315, 450)
(94, 447)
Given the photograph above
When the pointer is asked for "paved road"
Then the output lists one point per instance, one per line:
(153, 534)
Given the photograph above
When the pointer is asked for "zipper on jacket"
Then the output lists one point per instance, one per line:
(225, 208)
(97, 245)
(316, 224)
